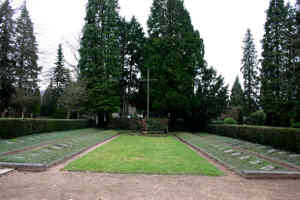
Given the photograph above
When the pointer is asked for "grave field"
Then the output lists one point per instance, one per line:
(47, 149)
(244, 156)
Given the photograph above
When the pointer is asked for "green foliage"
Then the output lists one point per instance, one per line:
(277, 74)
(250, 73)
(125, 124)
(100, 56)
(296, 82)
(7, 52)
(27, 69)
(11, 128)
(237, 94)
(49, 102)
(257, 118)
(74, 97)
(282, 138)
(157, 125)
(174, 54)
(61, 76)
(132, 58)
(296, 125)
(229, 121)
(210, 101)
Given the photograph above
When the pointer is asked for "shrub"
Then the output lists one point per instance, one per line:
(126, 124)
(282, 138)
(296, 125)
(229, 120)
(157, 125)
(154, 125)
(257, 118)
(11, 128)
(218, 122)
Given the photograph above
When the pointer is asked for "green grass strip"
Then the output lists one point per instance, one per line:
(145, 155)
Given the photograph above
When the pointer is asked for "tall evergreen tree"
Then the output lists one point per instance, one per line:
(210, 100)
(132, 43)
(100, 55)
(157, 19)
(61, 75)
(26, 53)
(296, 46)
(273, 63)
(250, 73)
(175, 52)
(27, 69)
(7, 54)
(237, 94)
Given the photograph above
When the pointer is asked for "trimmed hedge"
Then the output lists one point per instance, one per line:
(296, 125)
(282, 138)
(229, 120)
(125, 124)
(11, 128)
(151, 125)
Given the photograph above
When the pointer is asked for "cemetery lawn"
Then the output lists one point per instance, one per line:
(236, 154)
(8, 145)
(61, 146)
(145, 155)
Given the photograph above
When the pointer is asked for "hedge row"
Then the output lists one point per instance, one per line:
(155, 125)
(125, 124)
(11, 128)
(282, 138)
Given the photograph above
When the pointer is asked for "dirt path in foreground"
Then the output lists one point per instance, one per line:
(60, 185)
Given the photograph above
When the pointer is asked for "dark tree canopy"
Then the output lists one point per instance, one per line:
(250, 73)
(175, 58)
(237, 94)
(7, 53)
(100, 55)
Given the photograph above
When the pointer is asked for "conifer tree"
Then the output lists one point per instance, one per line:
(296, 45)
(250, 73)
(173, 50)
(157, 19)
(273, 63)
(7, 53)
(237, 94)
(61, 75)
(210, 100)
(100, 56)
(27, 69)
(132, 43)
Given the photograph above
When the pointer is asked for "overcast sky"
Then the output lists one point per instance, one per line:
(222, 25)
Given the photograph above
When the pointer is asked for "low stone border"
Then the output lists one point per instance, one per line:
(270, 175)
(246, 173)
(37, 167)
(5, 171)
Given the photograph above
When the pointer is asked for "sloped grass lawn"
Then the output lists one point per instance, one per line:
(60, 150)
(145, 155)
(222, 148)
(40, 139)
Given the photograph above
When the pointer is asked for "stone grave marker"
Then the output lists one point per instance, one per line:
(228, 151)
(271, 151)
(294, 155)
(244, 157)
(236, 154)
(268, 168)
(255, 162)
(46, 150)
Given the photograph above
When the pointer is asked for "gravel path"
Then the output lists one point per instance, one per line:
(60, 185)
